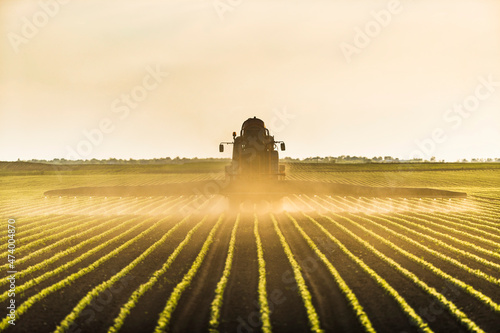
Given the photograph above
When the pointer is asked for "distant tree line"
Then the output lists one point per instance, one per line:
(380, 159)
(317, 159)
(348, 159)
(163, 160)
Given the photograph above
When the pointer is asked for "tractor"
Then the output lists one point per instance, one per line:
(255, 154)
(255, 177)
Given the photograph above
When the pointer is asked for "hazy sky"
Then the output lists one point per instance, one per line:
(410, 78)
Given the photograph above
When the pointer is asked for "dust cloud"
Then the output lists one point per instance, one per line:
(217, 204)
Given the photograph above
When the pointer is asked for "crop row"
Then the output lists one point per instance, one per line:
(446, 219)
(59, 240)
(425, 264)
(350, 296)
(423, 222)
(403, 220)
(221, 285)
(437, 254)
(85, 301)
(454, 179)
(263, 304)
(411, 228)
(441, 299)
(173, 300)
(61, 268)
(401, 224)
(42, 224)
(453, 212)
(143, 288)
(404, 306)
(25, 306)
(301, 283)
(468, 289)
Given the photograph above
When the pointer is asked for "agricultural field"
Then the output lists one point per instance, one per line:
(186, 263)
